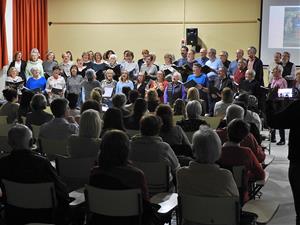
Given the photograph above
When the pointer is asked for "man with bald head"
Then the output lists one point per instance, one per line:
(203, 57)
(234, 64)
(23, 165)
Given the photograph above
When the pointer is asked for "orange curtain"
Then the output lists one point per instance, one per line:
(30, 26)
(3, 45)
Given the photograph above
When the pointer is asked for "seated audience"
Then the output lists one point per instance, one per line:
(62, 126)
(73, 106)
(89, 84)
(36, 82)
(193, 121)
(152, 100)
(11, 107)
(56, 85)
(173, 135)
(96, 94)
(124, 82)
(112, 119)
(193, 94)
(24, 106)
(133, 95)
(174, 90)
(196, 178)
(23, 165)
(119, 101)
(90, 104)
(233, 154)
(140, 108)
(179, 108)
(87, 142)
(237, 112)
(222, 105)
(149, 147)
(38, 116)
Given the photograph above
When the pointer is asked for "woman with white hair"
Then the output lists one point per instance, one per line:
(36, 82)
(113, 65)
(34, 61)
(87, 142)
(194, 111)
(196, 178)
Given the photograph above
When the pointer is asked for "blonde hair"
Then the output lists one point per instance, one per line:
(96, 94)
(193, 94)
(11, 69)
(90, 124)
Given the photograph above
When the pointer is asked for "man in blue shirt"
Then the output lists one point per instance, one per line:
(234, 63)
(214, 63)
(203, 58)
(182, 61)
(199, 77)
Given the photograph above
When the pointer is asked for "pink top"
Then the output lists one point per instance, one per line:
(280, 83)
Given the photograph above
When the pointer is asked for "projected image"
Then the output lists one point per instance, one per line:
(291, 37)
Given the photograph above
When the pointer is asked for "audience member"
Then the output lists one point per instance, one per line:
(133, 95)
(73, 104)
(139, 110)
(112, 119)
(11, 107)
(119, 101)
(24, 106)
(194, 94)
(179, 108)
(222, 105)
(152, 100)
(90, 104)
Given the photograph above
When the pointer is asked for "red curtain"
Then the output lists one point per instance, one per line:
(30, 26)
(3, 45)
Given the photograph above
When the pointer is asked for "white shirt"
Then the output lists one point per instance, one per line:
(18, 66)
(58, 83)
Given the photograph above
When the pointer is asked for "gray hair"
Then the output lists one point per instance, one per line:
(234, 112)
(34, 68)
(252, 48)
(280, 68)
(119, 100)
(38, 102)
(252, 72)
(193, 109)
(225, 53)
(213, 50)
(35, 51)
(90, 124)
(90, 73)
(177, 74)
(19, 137)
(206, 145)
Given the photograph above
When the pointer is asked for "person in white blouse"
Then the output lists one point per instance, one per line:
(56, 85)
(129, 65)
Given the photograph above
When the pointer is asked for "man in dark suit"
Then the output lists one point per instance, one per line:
(24, 166)
(256, 64)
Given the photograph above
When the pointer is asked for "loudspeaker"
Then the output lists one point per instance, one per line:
(192, 36)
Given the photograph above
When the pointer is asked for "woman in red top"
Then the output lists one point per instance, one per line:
(160, 84)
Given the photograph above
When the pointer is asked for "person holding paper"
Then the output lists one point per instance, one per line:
(198, 76)
(167, 66)
(174, 90)
(56, 85)
(13, 80)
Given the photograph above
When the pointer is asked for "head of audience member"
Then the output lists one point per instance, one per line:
(145, 53)
(91, 55)
(133, 96)
(251, 52)
(141, 78)
(168, 59)
(239, 54)
(90, 75)
(56, 72)
(125, 91)
(124, 76)
(26, 99)
(38, 102)
(119, 100)
(166, 115)
(160, 76)
(191, 55)
(115, 147)
(212, 53)
(250, 75)
(36, 73)
(253, 103)
(73, 100)
(109, 74)
(223, 56)
(286, 57)
(50, 56)
(74, 70)
(34, 55)
(90, 124)
(193, 109)
(222, 72)
(96, 94)
(277, 71)
(59, 107)
(85, 57)
(10, 94)
(129, 56)
(65, 57)
(176, 77)
(197, 69)
(112, 59)
(203, 52)
(179, 107)
(150, 125)
(206, 145)
(242, 64)
(70, 56)
(13, 72)
(237, 130)
(20, 137)
(184, 51)
(18, 56)
(90, 104)
(244, 98)
(234, 112)
(98, 57)
(277, 57)
(193, 94)
(140, 107)
(152, 95)
(113, 119)
(227, 95)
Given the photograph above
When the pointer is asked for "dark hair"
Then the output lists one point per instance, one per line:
(105, 55)
(179, 107)
(244, 97)
(237, 130)
(185, 47)
(113, 119)
(73, 67)
(71, 55)
(10, 94)
(16, 54)
(73, 99)
(133, 96)
(227, 95)
(59, 106)
(55, 68)
(197, 64)
(119, 100)
(25, 102)
(114, 149)
(140, 107)
(126, 90)
(166, 115)
(90, 104)
(130, 53)
(150, 125)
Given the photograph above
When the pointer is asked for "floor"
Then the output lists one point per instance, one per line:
(278, 187)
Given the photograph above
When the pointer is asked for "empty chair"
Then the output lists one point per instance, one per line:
(113, 204)
(74, 172)
(209, 210)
